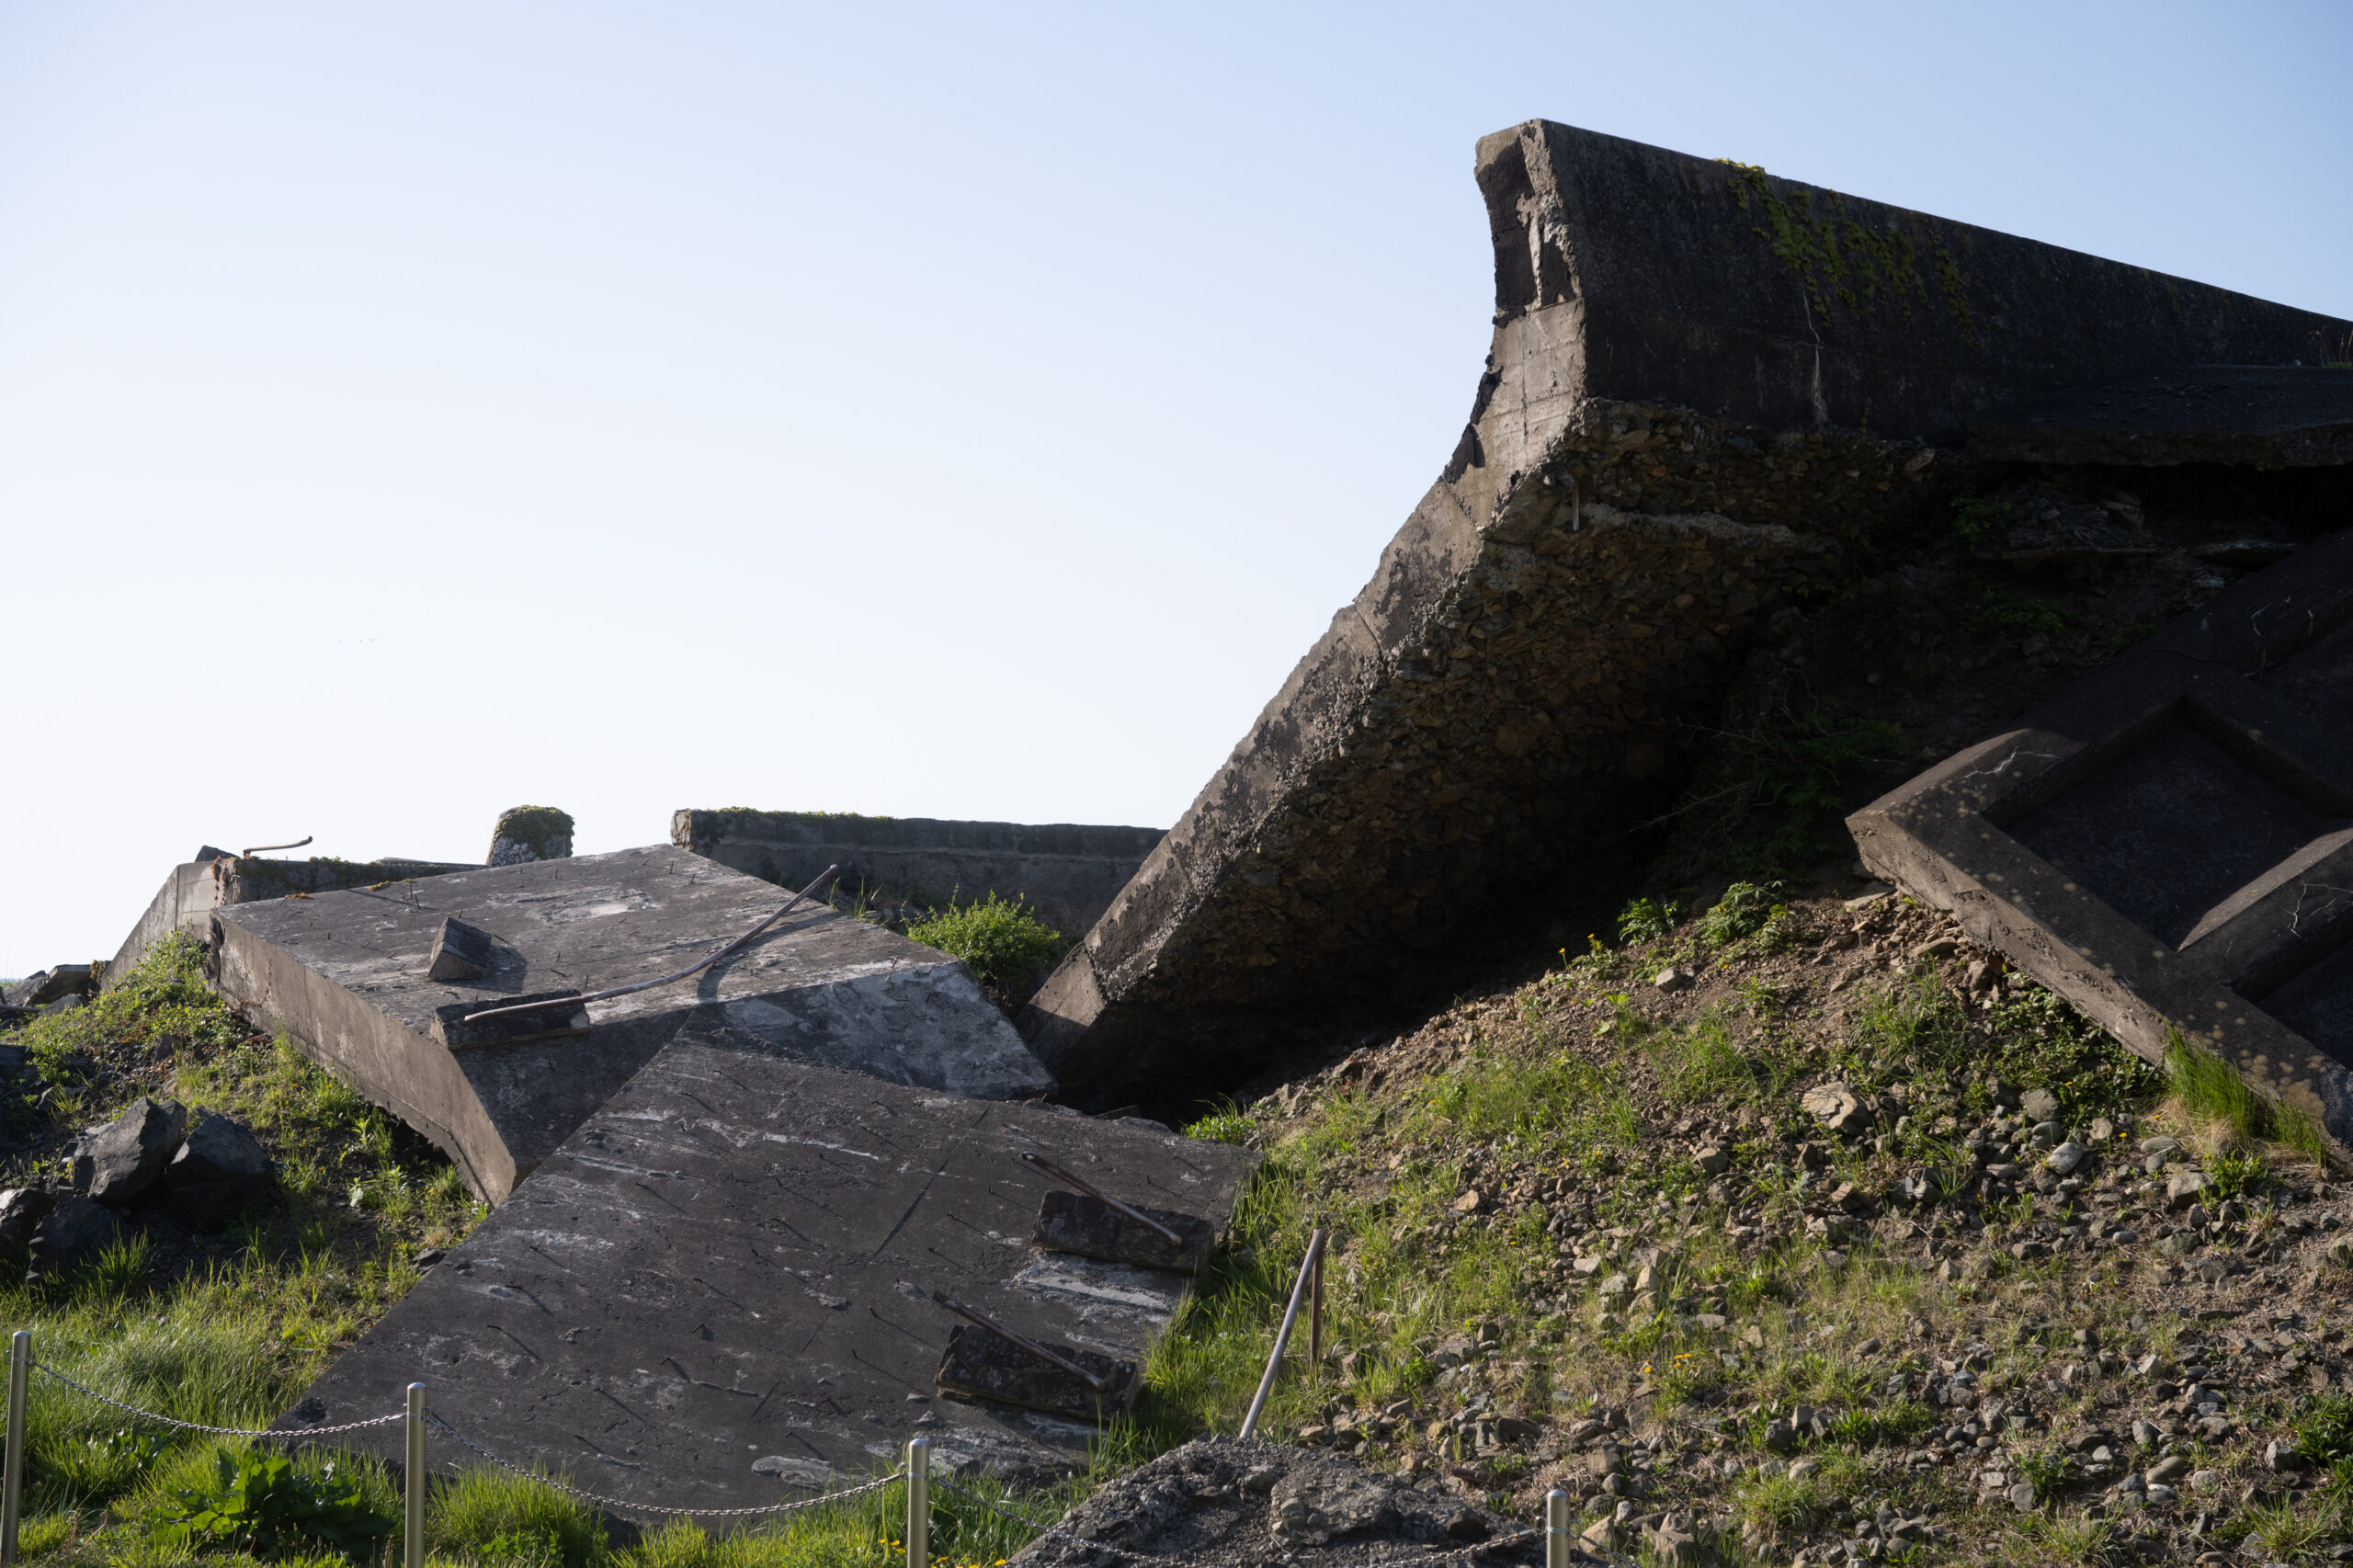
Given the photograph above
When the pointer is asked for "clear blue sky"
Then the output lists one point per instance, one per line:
(409, 411)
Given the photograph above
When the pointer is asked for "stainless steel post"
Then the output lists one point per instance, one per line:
(1556, 1530)
(1315, 1321)
(919, 1502)
(1282, 1335)
(12, 1488)
(413, 1543)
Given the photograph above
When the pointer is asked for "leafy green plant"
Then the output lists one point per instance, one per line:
(1745, 909)
(1980, 520)
(265, 1505)
(1002, 940)
(2238, 1174)
(1647, 920)
(1226, 1124)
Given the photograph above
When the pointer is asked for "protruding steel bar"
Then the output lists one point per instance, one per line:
(413, 1534)
(1557, 1545)
(1282, 1335)
(1100, 1385)
(1316, 1319)
(1067, 1179)
(695, 968)
(266, 848)
(12, 1488)
(919, 1503)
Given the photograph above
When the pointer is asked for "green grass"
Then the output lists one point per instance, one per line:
(2212, 1090)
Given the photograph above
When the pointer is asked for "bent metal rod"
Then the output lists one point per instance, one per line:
(695, 968)
(1100, 1385)
(1060, 1174)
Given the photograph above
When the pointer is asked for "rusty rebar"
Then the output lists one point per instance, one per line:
(1060, 1174)
(695, 968)
(266, 848)
(1100, 1385)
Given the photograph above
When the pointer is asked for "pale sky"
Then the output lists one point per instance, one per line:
(411, 411)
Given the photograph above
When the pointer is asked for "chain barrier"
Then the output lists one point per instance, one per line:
(49, 1372)
(616, 1503)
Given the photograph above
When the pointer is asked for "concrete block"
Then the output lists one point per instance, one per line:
(717, 1293)
(1068, 873)
(1672, 397)
(460, 952)
(2169, 843)
(347, 974)
(529, 832)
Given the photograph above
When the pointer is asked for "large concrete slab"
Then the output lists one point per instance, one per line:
(192, 891)
(715, 1294)
(1068, 872)
(1701, 379)
(345, 973)
(2169, 844)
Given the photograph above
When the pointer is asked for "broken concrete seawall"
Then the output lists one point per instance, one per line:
(1068, 872)
(1704, 382)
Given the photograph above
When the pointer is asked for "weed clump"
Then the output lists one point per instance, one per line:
(1003, 940)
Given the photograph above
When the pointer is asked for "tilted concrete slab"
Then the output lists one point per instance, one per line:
(190, 895)
(2169, 844)
(2260, 416)
(345, 974)
(716, 1293)
(1670, 430)
(1068, 872)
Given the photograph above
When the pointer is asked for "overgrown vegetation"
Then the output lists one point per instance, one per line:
(1007, 947)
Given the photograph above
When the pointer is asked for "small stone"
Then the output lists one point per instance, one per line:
(1470, 1202)
(2066, 1157)
(2102, 1130)
(2185, 1186)
(2205, 1481)
(1675, 979)
(2038, 1104)
(2159, 1145)
(2167, 1471)
(1713, 1160)
(2022, 1497)
(1673, 1546)
(2282, 1456)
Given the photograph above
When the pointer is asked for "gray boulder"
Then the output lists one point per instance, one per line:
(126, 1156)
(14, 995)
(22, 1210)
(74, 1232)
(217, 1171)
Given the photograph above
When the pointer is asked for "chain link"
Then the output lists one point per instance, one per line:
(627, 1507)
(216, 1431)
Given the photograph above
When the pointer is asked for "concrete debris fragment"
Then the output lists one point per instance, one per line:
(529, 832)
(1667, 399)
(459, 951)
(2166, 843)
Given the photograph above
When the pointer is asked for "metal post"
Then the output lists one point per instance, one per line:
(1556, 1530)
(413, 1543)
(919, 1502)
(12, 1488)
(1316, 1319)
(1282, 1335)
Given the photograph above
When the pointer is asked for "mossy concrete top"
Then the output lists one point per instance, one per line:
(347, 974)
(716, 1294)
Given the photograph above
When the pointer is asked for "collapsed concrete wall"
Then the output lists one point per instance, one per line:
(216, 880)
(1702, 380)
(1069, 873)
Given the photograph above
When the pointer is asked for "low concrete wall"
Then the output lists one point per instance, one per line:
(1702, 380)
(192, 891)
(1068, 872)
